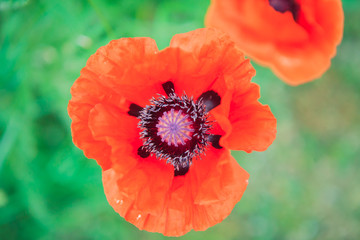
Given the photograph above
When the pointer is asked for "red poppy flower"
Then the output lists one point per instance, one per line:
(296, 38)
(161, 123)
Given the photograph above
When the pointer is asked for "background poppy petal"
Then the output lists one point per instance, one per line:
(297, 52)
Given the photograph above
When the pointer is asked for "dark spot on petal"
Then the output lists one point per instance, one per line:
(169, 87)
(142, 152)
(286, 5)
(182, 171)
(210, 99)
(215, 141)
(134, 110)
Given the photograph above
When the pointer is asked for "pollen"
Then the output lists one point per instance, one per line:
(175, 128)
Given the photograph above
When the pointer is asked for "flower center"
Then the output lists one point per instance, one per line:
(174, 129)
(286, 5)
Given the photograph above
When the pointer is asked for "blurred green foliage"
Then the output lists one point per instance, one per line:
(304, 187)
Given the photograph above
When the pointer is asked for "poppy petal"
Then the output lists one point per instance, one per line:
(108, 121)
(198, 200)
(101, 81)
(124, 65)
(302, 47)
(251, 125)
(221, 62)
(209, 58)
(86, 93)
(141, 180)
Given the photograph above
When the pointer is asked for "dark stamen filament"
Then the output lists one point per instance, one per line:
(215, 141)
(134, 110)
(142, 152)
(210, 99)
(181, 171)
(168, 87)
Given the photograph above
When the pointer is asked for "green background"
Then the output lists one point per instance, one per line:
(305, 186)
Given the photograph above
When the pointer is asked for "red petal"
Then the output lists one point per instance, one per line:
(198, 200)
(300, 51)
(253, 126)
(109, 78)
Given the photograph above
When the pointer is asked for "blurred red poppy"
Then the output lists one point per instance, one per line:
(161, 123)
(295, 38)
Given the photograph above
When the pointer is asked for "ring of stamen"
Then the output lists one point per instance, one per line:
(175, 129)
